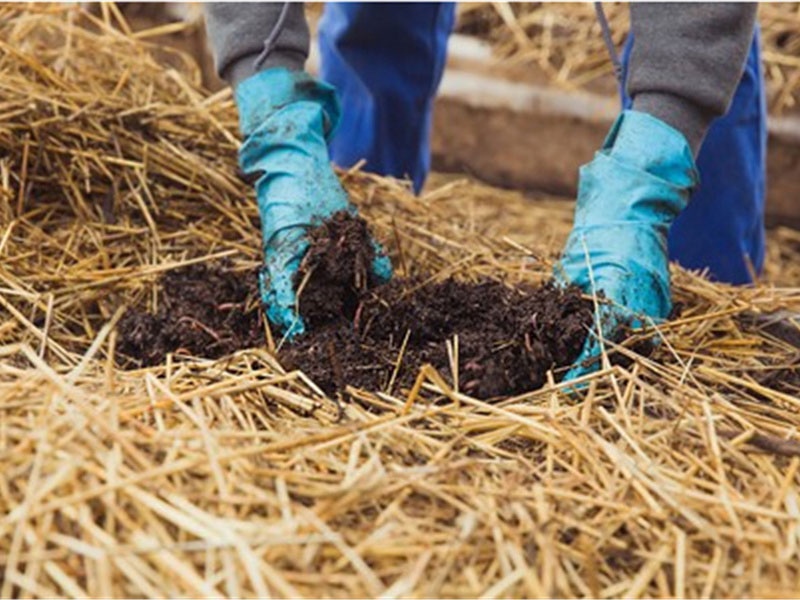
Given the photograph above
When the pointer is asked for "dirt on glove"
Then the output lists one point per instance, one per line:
(367, 335)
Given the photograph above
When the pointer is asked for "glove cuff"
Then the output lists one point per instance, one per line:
(267, 92)
(649, 144)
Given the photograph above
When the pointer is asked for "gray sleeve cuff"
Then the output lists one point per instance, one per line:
(687, 61)
(686, 117)
(237, 32)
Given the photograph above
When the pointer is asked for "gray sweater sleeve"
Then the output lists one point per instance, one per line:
(687, 60)
(237, 32)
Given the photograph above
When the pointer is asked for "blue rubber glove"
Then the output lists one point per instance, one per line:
(628, 197)
(286, 118)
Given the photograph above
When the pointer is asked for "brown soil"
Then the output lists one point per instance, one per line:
(202, 311)
(507, 338)
(337, 268)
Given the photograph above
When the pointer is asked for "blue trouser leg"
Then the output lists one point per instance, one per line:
(722, 229)
(386, 61)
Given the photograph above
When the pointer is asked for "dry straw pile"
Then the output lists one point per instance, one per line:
(675, 475)
(564, 40)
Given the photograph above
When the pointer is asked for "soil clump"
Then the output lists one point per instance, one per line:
(367, 335)
(507, 338)
(206, 311)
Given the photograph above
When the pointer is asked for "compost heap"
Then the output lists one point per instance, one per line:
(504, 340)
(676, 475)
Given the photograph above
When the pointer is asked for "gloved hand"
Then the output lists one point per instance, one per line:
(628, 197)
(285, 118)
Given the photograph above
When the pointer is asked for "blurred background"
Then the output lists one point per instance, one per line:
(522, 71)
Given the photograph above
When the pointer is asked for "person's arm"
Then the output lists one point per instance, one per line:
(686, 63)
(286, 118)
(237, 32)
(687, 60)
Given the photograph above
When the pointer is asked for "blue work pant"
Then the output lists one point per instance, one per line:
(386, 61)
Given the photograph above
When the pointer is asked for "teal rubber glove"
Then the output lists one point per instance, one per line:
(286, 118)
(628, 197)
